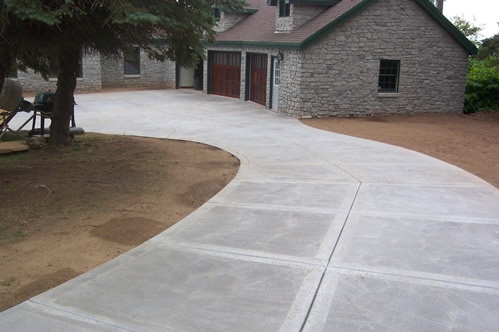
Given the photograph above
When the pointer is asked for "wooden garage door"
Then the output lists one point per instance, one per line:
(226, 74)
(258, 78)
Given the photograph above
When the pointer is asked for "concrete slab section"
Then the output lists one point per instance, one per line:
(360, 301)
(318, 171)
(466, 252)
(458, 202)
(325, 197)
(351, 150)
(429, 172)
(283, 234)
(30, 316)
(180, 289)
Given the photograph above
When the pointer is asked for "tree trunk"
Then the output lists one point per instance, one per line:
(5, 62)
(69, 57)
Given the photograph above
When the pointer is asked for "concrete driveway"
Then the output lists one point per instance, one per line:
(317, 232)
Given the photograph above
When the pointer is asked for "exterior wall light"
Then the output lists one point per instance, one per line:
(280, 56)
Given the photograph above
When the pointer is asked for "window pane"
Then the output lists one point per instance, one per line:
(54, 69)
(388, 75)
(277, 73)
(216, 13)
(284, 8)
(131, 58)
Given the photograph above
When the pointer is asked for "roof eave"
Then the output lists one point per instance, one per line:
(314, 2)
(259, 44)
(306, 2)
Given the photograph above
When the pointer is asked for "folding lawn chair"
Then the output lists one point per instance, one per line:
(5, 117)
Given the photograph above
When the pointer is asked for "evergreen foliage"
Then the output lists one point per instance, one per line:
(34, 31)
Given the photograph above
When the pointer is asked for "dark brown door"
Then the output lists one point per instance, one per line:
(258, 78)
(226, 74)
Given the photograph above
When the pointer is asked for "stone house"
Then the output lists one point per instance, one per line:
(320, 58)
(309, 58)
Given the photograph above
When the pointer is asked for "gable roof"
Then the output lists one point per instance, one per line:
(258, 29)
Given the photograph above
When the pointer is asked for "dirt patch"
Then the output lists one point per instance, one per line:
(66, 212)
(128, 231)
(468, 141)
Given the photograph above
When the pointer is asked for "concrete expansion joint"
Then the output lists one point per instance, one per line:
(249, 255)
(276, 207)
(288, 180)
(67, 313)
(427, 217)
(424, 278)
(316, 294)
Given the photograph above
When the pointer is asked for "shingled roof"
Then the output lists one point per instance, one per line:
(258, 29)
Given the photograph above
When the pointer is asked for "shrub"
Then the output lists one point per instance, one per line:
(482, 85)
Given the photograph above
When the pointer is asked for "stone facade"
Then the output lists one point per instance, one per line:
(153, 74)
(290, 90)
(99, 72)
(227, 20)
(338, 74)
(90, 80)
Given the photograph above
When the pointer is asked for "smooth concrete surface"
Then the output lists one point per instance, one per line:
(317, 232)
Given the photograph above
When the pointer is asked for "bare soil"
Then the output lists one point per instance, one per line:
(470, 142)
(65, 212)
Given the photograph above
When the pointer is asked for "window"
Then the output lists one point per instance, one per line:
(216, 13)
(277, 73)
(54, 69)
(227, 59)
(284, 8)
(131, 58)
(389, 71)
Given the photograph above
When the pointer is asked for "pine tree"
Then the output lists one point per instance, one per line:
(34, 31)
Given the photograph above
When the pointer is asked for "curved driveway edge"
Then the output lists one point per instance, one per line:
(317, 232)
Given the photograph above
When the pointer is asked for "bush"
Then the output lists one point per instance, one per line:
(482, 85)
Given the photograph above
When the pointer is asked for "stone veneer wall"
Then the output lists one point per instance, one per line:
(91, 80)
(227, 20)
(340, 70)
(290, 101)
(302, 13)
(153, 74)
(299, 14)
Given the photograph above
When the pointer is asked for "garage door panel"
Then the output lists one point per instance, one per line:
(226, 74)
(258, 78)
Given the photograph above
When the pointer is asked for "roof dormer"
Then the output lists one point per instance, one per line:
(291, 14)
(227, 19)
